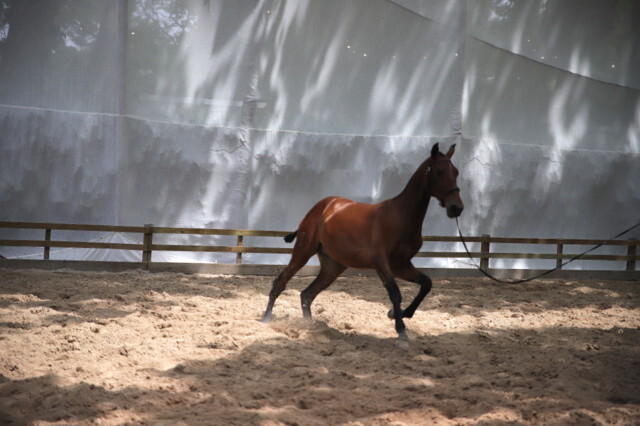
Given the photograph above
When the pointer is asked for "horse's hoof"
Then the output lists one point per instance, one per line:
(403, 341)
(266, 319)
(402, 344)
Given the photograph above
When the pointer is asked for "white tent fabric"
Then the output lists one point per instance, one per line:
(244, 113)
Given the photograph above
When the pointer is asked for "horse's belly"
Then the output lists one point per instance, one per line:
(352, 258)
(347, 246)
(356, 249)
(345, 233)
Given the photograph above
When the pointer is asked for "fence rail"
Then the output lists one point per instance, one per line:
(149, 232)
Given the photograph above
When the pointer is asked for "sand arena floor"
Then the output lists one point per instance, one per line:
(131, 348)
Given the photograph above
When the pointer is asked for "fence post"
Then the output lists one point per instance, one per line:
(484, 249)
(47, 238)
(147, 242)
(631, 251)
(559, 258)
(239, 243)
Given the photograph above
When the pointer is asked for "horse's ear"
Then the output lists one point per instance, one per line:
(435, 150)
(449, 153)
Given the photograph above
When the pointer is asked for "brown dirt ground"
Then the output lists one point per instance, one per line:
(135, 347)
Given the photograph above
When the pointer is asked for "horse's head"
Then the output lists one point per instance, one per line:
(442, 176)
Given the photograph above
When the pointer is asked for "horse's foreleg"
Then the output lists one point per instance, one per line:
(396, 299)
(410, 273)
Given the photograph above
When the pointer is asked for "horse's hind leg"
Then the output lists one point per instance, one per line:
(279, 285)
(329, 271)
(302, 252)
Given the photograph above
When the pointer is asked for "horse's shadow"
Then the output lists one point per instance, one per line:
(310, 372)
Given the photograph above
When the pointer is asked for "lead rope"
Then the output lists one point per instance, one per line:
(576, 257)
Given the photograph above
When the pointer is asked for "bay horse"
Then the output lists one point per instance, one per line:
(384, 237)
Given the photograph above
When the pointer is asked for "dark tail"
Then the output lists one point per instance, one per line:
(290, 237)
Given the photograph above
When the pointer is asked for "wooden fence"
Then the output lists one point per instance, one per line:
(628, 248)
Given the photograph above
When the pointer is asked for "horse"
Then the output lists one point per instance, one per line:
(383, 237)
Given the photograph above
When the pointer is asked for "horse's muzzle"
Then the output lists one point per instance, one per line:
(454, 210)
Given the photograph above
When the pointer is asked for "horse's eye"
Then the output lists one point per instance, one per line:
(439, 173)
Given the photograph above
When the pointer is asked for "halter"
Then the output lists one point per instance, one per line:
(448, 191)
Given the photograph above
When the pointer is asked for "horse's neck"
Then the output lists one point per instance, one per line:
(413, 201)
